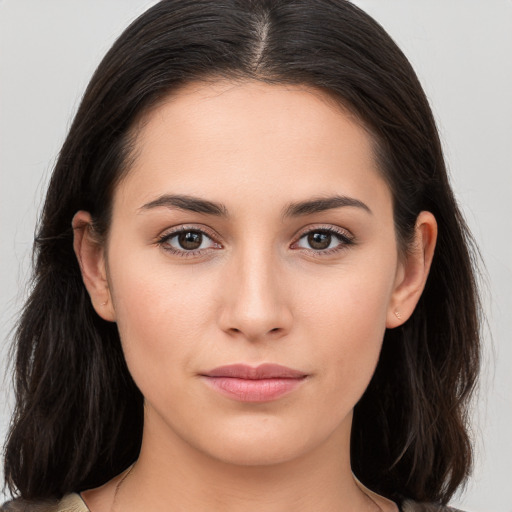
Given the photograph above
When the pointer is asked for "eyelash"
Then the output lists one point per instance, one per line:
(165, 238)
(344, 238)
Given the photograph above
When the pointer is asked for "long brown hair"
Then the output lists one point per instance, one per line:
(78, 417)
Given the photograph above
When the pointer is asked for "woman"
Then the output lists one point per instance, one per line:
(253, 287)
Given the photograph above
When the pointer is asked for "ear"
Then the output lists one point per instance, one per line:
(413, 271)
(91, 258)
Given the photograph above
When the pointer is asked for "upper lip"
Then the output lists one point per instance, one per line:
(263, 371)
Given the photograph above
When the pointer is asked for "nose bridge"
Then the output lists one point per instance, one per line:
(256, 303)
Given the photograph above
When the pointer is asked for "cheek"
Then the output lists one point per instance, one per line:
(347, 320)
(160, 317)
(167, 319)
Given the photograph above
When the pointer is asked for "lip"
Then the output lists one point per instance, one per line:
(254, 384)
(263, 371)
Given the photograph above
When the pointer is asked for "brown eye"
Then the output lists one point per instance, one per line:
(324, 241)
(319, 240)
(187, 242)
(190, 240)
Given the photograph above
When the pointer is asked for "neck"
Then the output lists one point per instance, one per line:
(171, 471)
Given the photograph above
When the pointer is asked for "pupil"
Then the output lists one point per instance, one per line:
(319, 240)
(190, 240)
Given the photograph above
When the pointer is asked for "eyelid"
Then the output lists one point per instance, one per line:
(205, 230)
(172, 232)
(343, 232)
(345, 236)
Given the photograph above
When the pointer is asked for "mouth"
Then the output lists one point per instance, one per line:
(248, 384)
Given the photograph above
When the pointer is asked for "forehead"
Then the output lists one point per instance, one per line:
(250, 105)
(224, 137)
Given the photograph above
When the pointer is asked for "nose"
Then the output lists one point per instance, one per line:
(255, 300)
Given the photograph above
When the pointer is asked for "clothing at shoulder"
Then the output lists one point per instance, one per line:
(70, 503)
(413, 506)
(73, 503)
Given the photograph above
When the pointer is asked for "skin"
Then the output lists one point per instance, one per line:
(257, 291)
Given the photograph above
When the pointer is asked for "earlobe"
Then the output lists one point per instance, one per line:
(90, 254)
(413, 271)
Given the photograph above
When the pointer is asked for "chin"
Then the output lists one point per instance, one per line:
(256, 454)
(262, 446)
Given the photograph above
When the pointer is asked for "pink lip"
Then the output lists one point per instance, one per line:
(247, 384)
(263, 371)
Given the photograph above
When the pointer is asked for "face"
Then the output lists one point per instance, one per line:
(295, 263)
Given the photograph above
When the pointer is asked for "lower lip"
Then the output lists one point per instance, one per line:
(253, 390)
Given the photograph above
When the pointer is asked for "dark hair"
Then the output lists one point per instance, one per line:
(78, 417)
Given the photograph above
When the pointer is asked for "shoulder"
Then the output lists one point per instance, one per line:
(69, 503)
(413, 506)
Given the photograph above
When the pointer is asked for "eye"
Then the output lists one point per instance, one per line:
(325, 240)
(187, 242)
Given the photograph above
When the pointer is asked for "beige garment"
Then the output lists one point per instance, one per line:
(70, 503)
(74, 503)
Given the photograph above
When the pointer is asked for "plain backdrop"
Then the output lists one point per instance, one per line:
(462, 52)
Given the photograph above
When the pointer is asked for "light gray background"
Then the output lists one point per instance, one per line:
(462, 52)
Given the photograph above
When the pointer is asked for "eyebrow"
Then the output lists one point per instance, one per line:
(296, 209)
(188, 203)
(321, 204)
